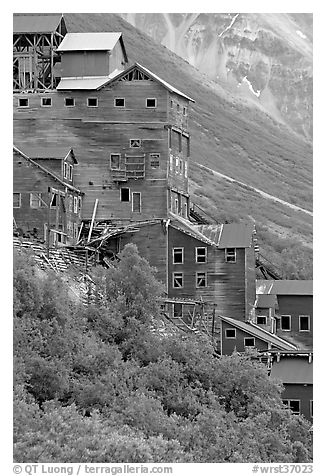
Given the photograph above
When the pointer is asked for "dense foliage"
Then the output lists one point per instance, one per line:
(97, 383)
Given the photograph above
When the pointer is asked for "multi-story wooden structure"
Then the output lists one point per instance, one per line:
(289, 305)
(46, 204)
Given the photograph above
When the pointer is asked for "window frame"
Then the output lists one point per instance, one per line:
(311, 408)
(132, 202)
(288, 404)
(198, 286)
(54, 193)
(23, 99)
(228, 256)
(20, 199)
(290, 322)
(174, 277)
(135, 141)
(39, 201)
(48, 99)
(70, 172)
(178, 248)
(69, 105)
(246, 338)
(230, 329)
(151, 99)
(261, 315)
(155, 157)
(65, 170)
(119, 164)
(125, 188)
(197, 256)
(92, 98)
(173, 309)
(304, 315)
(75, 204)
(119, 99)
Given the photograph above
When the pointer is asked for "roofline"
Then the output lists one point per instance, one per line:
(67, 185)
(226, 319)
(194, 233)
(147, 71)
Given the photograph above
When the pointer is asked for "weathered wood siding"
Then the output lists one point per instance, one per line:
(176, 114)
(225, 281)
(229, 345)
(250, 279)
(296, 306)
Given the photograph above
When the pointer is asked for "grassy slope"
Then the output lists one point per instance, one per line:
(231, 137)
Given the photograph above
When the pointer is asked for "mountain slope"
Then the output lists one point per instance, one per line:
(232, 137)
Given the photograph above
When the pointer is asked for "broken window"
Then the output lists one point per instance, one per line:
(230, 333)
(125, 194)
(119, 102)
(23, 102)
(69, 102)
(230, 255)
(75, 204)
(177, 280)
(249, 342)
(151, 102)
(201, 280)
(286, 323)
(177, 254)
(16, 200)
(135, 143)
(154, 160)
(35, 200)
(177, 310)
(92, 102)
(201, 254)
(54, 200)
(115, 161)
(136, 202)
(261, 320)
(293, 405)
(304, 323)
(46, 102)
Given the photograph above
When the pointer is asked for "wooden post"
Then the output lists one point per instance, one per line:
(92, 222)
(48, 226)
(213, 320)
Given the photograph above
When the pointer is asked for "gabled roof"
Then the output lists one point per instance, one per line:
(152, 75)
(293, 370)
(285, 287)
(51, 174)
(260, 333)
(59, 153)
(36, 22)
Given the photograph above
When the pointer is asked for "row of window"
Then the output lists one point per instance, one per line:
(39, 200)
(247, 341)
(304, 323)
(125, 196)
(178, 280)
(150, 103)
(180, 166)
(295, 406)
(116, 162)
(201, 255)
(179, 141)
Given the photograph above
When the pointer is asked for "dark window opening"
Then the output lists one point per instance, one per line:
(54, 200)
(135, 143)
(230, 255)
(178, 280)
(249, 342)
(119, 102)
(125, 194)
(201, 280)
(177, 255)
(293, 405)
(201, 255)
(151, 102)
(184, 111)
(177, 310)
(69, 102)
(262, 320)
(285, 323)
(304, 323)
(23, 102)
(92, 102)
(230, 333)
(46, 102)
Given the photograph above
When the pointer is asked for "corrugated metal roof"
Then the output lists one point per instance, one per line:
(187, 227)
(36, 22)
(293, 370)
(266, 301)
(86, 82)
(256, 331)
(236, 235)
(45, 152)
(285, 287)
(95, 41)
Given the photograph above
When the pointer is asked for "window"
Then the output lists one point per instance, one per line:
(201, 254)
(304, 323)
(54, 200)
(135, 143)
(249, 341)
(35, 200)
(230, 255)
(23, 102)
(177, 254)
(16, 200)
(154, 160)
(70, 202)
(92, 102)
(177, 310)
(171, 103)
(125, 195)
(70, 171)
(293, 405)
(115, 161)
(184, 111)
(65, 170)
(261, 320)
(119, 102)
(75, 231)
(177, 280)
(75, 204)
(69, 102)
(285, 323)
(201, 280)
(136, 202)
(230, 333)
(46, 102)
(151, 102)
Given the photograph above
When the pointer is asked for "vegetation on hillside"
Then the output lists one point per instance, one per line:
(97, 383)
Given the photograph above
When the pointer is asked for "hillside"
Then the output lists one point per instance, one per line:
(235, 138)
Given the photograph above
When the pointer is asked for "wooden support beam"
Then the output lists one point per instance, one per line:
(92, 222)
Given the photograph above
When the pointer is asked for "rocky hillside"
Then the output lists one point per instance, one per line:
(265, 57)
(233, 137)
